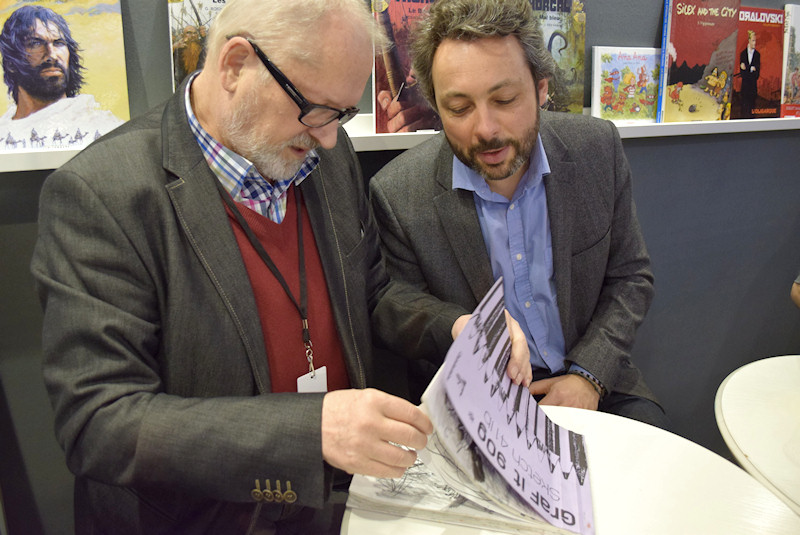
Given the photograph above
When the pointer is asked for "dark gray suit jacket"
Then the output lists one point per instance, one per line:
(153, 352)
(432, 240)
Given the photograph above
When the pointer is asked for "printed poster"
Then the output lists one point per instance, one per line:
(63, 72)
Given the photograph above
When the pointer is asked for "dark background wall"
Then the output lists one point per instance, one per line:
(720, 214)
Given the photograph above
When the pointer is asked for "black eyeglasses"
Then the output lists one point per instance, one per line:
(311, 115)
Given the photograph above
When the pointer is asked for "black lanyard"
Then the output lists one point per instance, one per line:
(302, 307)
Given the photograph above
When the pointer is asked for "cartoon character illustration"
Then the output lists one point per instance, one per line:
(675, 94)
(715, 82)
(607, 98)
(619, 106)
(614, 79)
(641, 83)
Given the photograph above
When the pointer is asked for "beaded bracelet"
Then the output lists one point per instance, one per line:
(598, 386)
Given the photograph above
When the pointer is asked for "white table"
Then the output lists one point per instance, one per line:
(758, 413)
(644, 481)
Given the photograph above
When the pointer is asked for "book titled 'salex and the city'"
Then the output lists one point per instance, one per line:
(790, 89)
(625, 83)
(495, 459)
(698, 60)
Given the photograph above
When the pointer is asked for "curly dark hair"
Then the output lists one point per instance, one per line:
(16, 31)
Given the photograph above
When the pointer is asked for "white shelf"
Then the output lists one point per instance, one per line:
(361, 127)
(360, 131)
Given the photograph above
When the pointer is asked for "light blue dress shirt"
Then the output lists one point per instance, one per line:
(517, 237)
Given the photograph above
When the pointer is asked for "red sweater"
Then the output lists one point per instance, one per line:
(280, 320)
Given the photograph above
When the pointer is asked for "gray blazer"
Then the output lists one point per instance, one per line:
(432, 240)
(153, 352)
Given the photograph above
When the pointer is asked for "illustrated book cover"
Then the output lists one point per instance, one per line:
(790, 90)
(64, 73)
(698, 60)
(188, 28)
(399, 105)
(756, 91)
(625, 83)
(495, 459)
(563, 24)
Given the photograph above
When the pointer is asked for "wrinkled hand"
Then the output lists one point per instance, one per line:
(568, 391)
(519, 365)
(358, 426)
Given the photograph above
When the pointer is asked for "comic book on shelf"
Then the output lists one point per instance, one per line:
(495, 459)
(61, 97)
(188, 28)
(394, 85)
(563, 24)
(698, 60)
(790, 89)
(756, 90)
(625, 83)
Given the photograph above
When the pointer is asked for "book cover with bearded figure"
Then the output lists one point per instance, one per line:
(188, 26)
(64, 70)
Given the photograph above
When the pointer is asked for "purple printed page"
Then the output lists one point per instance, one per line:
(545, 464)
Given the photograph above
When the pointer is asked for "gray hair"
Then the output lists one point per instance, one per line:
(476, 19)
(284, 29)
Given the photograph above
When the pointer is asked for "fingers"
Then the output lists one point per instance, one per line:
(542, 386)
(459, 325)
(519, 365)
(361, 430)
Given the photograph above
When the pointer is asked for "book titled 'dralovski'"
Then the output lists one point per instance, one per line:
(698, 60)
(756, 91)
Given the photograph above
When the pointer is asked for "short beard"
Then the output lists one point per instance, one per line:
(45, 88)
(522, 148)
(266, 157)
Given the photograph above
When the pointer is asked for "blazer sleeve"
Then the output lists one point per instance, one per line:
(625, 284)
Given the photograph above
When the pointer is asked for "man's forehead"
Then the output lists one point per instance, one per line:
(50, 28)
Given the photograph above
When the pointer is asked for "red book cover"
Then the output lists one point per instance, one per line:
(698, 57)
(759, 64)
(399, 105)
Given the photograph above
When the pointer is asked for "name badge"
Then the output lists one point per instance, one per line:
(307, 384)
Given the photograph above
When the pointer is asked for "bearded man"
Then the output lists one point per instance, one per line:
(43, 71)
(539, 198)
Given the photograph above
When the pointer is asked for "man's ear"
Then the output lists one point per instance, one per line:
(541, 90)
(231, 62)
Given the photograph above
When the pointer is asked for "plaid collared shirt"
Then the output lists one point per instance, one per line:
(239, 176)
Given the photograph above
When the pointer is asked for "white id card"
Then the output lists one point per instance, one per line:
(319, 383)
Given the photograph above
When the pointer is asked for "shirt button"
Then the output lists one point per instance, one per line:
(519, 256)
(511, 207)
(527, 304)
(544, 353)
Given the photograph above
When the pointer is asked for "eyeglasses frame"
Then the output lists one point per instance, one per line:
(306, 107)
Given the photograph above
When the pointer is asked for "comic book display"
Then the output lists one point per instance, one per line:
(698, 60)
(756, 90)
(64, 73)
(188, 27)
(395, 87)
(790, 89)
(563, 24)
(495, 459)
(625, 83)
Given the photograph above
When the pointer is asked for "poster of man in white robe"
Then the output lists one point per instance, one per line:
(64, 73)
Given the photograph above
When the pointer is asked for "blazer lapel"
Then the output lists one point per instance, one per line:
(205, 224)
(459, 218)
